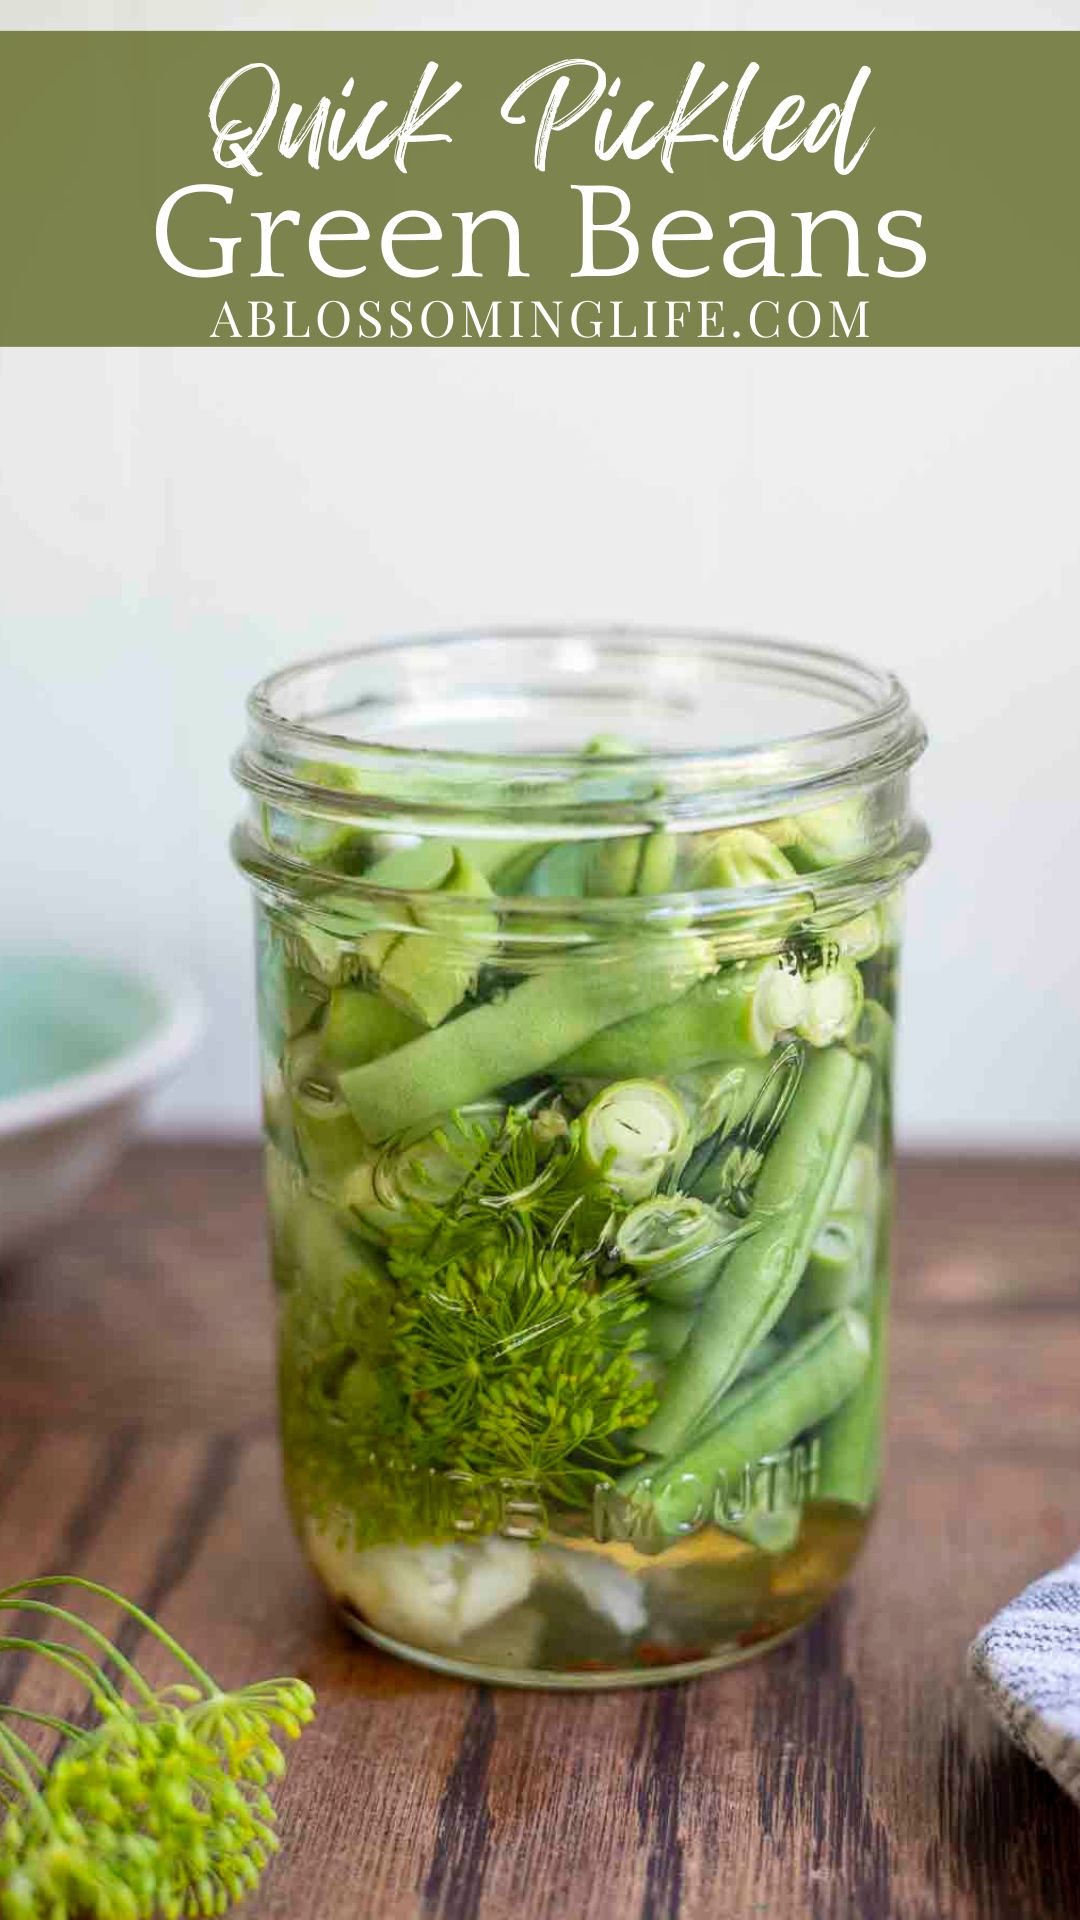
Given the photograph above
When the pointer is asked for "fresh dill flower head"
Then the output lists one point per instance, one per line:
(160, 1807)
(503, 1345)
(511, 1363)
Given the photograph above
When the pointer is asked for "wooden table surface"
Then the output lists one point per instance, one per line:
(851, 1773)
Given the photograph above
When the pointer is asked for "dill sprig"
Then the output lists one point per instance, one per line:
(511, 1365)
(158, 1808)
(502, 1348)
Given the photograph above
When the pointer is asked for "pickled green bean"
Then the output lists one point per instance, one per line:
(874, 1035)
(849, 1459)
(735, 1013)
(290, 999)
(873, 1042)
(794, 1192)
(425, 974)
(825, 835)
(414, 869)
(837, 1273)
(314, 1247)
(326, 1133)
(633, 1134)
(676, 1245)
(834, 1000)
(361, 1026)
(632, 864)
(841, 1264)
(659, 859)
(721, 1096)
(861, 938)
(519, 1034)
(762, 1416)
(742, 857)
(610, 868)
(723, 1167)
(667, 1328)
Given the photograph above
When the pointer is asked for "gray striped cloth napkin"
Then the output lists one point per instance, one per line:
(1026, 1664)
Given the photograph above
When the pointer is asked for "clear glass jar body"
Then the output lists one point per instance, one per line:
(577, 1084)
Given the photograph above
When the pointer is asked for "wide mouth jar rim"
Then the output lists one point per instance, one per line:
(878, 735)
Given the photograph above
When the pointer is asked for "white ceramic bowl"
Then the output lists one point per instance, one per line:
(82, 1041)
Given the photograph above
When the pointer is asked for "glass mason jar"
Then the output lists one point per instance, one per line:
(577, 981)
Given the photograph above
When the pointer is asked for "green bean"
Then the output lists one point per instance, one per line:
(676, 1245)
(667, 1328)
(611, 867)
(841, 1264)
(311, 1240)
(873, 1042)
(434, 866)
(840, 1267)
(834, 999)
(289, 997)
(860, 1183)
(722, 1095)
(415, 869)
(656, 868)
(735, 1013)
(633, 1134)
(724, 1167)
(510, 872)
(636, 863)
(791, 1201)
(340, 914)
(874, 1035)
(425, 867)
(425, 974)
(361, 1026)
(607, 868)
(622, 864)
(341, 933)
(329, 1140)
(762, 1416)
(742, 857)
(718, 1098)
(321, 842)
(381, 1190)
(837, 1272)
(861, 938)
(849, 1461)
(765, 1354)
(560, 874)
(518, 1034)
(825, 835)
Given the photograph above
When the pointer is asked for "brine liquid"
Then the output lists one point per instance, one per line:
(708, 1601)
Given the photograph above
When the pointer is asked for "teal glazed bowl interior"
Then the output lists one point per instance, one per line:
(82, 1041)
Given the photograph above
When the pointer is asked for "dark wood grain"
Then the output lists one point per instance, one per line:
(849, 1776)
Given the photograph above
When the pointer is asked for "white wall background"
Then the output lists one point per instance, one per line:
(172, 525)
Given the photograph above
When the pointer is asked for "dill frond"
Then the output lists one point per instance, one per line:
(159, 1808)
(511, 1364)
(505, 1351)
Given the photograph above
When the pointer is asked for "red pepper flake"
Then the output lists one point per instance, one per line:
(650, 1654)
(764, 1630)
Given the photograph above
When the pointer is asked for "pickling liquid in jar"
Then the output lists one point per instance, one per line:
(579, 1172)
